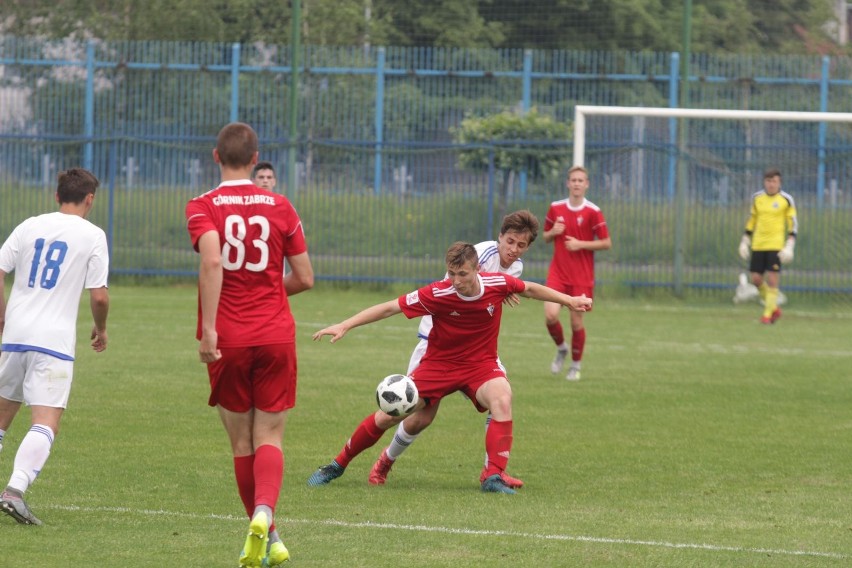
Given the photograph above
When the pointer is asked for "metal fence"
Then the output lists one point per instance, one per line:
(376, 174)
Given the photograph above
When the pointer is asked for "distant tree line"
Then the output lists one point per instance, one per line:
(718, 26)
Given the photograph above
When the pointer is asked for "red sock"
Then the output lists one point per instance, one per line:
(365, 436)
(555, 331)
(578, 341)
(244, 473)
(268, 475)
(498, 444)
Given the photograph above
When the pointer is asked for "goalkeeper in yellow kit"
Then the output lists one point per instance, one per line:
(770, 237)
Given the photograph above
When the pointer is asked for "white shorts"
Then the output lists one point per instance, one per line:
(35, 378)
(416, 355)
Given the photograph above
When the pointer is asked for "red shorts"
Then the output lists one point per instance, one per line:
(437, 379)
(262, 377)
(572, 290)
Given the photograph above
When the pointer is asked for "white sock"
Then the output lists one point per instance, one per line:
(31, 457)
(2, 433)
(401, 441)
(563, 347)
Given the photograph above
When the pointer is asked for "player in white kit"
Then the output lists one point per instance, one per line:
(517, 233)
(54, 257)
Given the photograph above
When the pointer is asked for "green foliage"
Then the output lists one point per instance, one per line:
(755, 26)
(187, 20)
(719, 26)
(529, 142)
(440, 23)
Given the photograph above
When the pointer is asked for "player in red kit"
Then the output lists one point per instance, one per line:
(577, 228)
(246, 329)
(466, 308)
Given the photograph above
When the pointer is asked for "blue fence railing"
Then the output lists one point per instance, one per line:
(375, 133)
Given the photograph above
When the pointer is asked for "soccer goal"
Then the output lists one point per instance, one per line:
(684, 191)
(814, 148)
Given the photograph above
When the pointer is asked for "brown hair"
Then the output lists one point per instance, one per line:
(236, 144)
(75, 184)
(771, 173)
(461, 253)
(262, 166)
(521, 221)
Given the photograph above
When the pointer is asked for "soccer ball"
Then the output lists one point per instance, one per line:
(746, 292)
(397, 395)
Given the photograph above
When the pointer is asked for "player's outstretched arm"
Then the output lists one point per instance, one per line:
(545, 294)
(369, 315)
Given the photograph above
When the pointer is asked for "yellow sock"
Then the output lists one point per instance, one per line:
(762, 290)
(770, 301)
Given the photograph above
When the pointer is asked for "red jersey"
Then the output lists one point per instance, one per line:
(464, 329)
(257, 230)
(586, 222)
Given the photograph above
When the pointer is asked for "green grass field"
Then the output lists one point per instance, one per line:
(697, 437)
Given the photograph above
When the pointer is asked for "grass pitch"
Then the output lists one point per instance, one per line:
(697, 437)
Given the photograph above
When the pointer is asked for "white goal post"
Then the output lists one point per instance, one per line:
(582, 111)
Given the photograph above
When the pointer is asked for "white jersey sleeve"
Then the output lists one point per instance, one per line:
(489, 261)
(54, 257)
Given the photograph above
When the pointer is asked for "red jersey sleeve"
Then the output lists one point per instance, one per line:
(412, 305)
(198, 220)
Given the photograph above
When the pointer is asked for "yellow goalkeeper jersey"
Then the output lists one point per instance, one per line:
(772, 218)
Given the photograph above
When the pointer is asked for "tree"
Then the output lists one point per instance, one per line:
(440, 23)
(718, 26)
(532, 142)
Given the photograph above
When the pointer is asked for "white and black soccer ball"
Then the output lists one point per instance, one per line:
(397, 395)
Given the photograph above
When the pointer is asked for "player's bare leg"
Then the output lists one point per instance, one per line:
(554, 329)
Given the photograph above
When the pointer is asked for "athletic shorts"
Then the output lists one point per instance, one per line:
(35, 378)
(764, 261)
(262, 377)
(572, 290)
(435, 380)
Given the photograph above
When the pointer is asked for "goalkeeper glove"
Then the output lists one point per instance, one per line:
(745, 247)
(785, 255)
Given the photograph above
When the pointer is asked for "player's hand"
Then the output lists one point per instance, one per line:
(785, 255)
(573, 243)
(580, 303)
(558, 227)
(512, 300)
(336, 331)
(207, 351)
(99, 339)
(745, 247)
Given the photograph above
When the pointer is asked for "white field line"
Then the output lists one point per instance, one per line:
(472, 532)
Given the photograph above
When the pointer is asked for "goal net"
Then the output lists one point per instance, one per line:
(676, 194)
